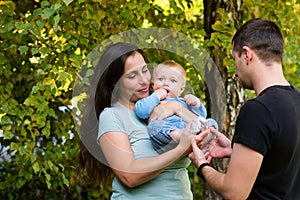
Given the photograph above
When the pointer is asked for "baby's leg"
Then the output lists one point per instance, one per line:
(175, 134)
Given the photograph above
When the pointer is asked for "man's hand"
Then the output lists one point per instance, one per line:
(219, 147)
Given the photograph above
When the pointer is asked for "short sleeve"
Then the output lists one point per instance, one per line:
(108, 122)
(255, 127)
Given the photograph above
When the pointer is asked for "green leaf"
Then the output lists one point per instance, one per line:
(23, 49)
(13, 49)
(32, 158)
(35, 89)
(5, 120)
(50, 164)
(40, 24)
(2, 115)
(2, 185)
(48, 180)
(22, 150)
(46, 130)
(37, 12)
(89, 72)
(10, 26)
(62, 167)
(40, 72)
(47, 13)
(7, 131)
(56, 22)
(34, 51)
(13, 146)
(28, 176)
(45, 4)
(67, 2)
(20, 182)
(73, 42)
(36, 167)
(19, 25)
(56, 6)
(27, 27)
(45, 50)
(65, 181)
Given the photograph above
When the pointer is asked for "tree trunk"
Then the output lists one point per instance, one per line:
(234, 94)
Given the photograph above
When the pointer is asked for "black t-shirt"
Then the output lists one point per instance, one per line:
(270, 124)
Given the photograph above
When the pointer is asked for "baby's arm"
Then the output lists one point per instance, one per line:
(144, 107)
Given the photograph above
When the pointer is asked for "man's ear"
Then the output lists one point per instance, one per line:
(248, 54)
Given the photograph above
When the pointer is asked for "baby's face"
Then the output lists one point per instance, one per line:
(170, 79)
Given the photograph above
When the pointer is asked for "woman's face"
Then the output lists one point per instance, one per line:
(134, 84)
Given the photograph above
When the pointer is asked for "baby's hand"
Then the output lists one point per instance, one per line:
(192, 100)
(161, 93)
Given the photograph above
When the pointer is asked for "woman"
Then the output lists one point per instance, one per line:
(140, 173)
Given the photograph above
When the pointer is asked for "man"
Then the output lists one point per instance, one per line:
(265, 150)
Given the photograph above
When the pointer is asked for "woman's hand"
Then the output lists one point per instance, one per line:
(197, 156)
(164, 109)
(168, 108)
(186, 139)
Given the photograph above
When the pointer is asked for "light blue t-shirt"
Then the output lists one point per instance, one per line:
(173, 183)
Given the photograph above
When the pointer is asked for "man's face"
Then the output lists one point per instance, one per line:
(242, 69)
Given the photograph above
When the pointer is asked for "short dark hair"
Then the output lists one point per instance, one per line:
(263, 36)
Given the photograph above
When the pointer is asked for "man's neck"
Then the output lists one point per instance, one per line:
(269, 76)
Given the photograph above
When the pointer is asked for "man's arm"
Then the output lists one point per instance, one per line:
(242, 171)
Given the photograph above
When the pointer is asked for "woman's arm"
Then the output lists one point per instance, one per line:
(168, 108)
(132, 172)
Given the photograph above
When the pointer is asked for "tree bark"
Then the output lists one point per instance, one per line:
(234, 93)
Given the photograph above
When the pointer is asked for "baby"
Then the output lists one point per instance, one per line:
(169, 80)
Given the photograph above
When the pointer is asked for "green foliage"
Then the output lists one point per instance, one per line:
(39, 60)
(286, 15)
(42, 47)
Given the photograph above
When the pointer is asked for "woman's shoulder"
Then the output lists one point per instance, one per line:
(115, 112)
(108, 113)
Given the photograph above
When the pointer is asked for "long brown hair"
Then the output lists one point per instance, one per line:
(107, 73)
